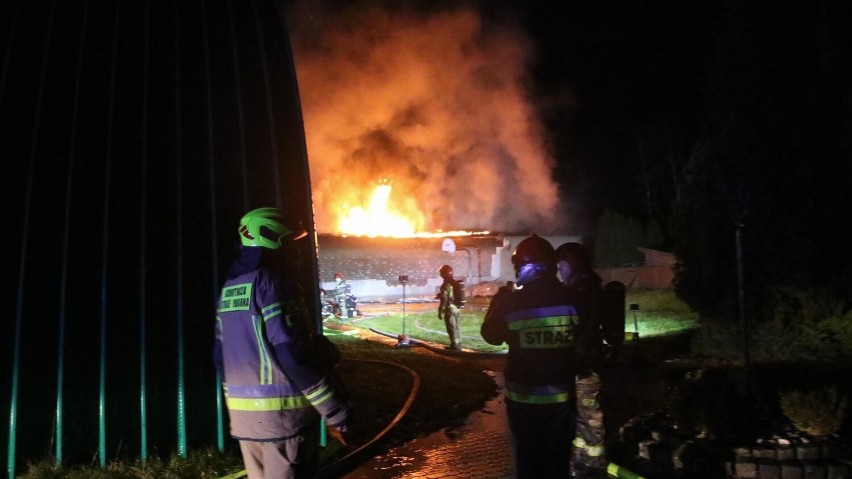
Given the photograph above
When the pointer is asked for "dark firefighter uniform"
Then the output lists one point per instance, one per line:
(589, 449)
(276, 387)
(589, 456)
(542, 323)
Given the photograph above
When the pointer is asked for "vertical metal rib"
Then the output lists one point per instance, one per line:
(214, 250)
(181, 394)
(143, 232)
(105, 246)
(270, 114)
(239, 97)
(63, 291)
(25, 231)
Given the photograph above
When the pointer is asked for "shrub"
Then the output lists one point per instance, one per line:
(709, 403)
(819, 413)
(799, 325)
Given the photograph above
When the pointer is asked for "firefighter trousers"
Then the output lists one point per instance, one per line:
(589, 455)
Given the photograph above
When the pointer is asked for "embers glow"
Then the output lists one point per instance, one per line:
(378, 219)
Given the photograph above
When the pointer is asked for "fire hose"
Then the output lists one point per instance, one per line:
(329, 469)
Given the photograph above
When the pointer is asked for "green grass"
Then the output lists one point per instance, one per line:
(198, 464)
(427, 327)
(660, 312)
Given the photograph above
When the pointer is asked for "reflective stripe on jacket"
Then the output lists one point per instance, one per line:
(254, 315)
(542, 324)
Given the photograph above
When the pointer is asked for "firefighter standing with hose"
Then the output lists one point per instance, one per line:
(451, 301)
(277, 385)
(544, 325)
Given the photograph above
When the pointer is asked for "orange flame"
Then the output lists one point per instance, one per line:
(378, 219)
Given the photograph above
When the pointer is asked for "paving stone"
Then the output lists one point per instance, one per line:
(836, 469)
(743, 452)
(768, 469)
(792, 469)
(785, 453)
(814, 469)
(745, 468)
(808, 451)
(644, 450)
(765, 452)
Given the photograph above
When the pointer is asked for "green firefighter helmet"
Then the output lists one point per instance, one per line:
(263, 228)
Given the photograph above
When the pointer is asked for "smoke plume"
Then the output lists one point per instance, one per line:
(432, 101)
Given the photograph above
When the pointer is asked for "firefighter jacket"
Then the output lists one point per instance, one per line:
(274, 387)
(450, 298)
(542, 323)
(342, 291)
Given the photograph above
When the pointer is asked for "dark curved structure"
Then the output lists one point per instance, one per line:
(133, 136)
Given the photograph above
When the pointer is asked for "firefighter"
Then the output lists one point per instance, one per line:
(342, 291)
(276, 384)
(542, 322)
(574, 264)
(450, 304)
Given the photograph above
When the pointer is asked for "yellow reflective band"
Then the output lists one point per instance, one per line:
(595, 451)
(537, 398)
(267, 404)
(271, 311)
(265, 373)
(590, 450)
(320, 395)
(617, 471)
(544, 322)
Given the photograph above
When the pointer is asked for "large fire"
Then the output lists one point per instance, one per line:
(377, 218)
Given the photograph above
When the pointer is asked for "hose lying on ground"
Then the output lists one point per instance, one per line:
(333, 469)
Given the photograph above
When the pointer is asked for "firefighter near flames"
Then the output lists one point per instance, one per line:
(451, 301)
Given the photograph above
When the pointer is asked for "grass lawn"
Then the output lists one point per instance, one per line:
(660, 312)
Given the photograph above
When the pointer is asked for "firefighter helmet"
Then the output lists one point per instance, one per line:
(263, 228)
(576, 255)
(534, 250)
(446, 272)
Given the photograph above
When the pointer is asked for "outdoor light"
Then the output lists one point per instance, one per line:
(402, 339)
(635, 307)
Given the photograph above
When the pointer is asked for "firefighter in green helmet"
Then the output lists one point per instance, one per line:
(277, 385)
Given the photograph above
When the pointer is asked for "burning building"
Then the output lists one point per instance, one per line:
(425, 112)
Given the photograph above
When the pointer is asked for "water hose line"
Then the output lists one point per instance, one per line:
(329, 469)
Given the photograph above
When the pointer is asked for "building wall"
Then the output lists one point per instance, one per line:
(372, 266)
(653, 277)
